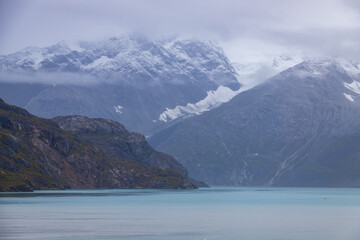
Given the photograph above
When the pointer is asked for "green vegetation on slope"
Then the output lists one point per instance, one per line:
(37, 154)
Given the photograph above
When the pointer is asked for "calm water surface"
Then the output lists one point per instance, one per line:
(214, 213)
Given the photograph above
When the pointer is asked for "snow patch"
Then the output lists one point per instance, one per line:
(74, 46)
(213, 99)
(354, 86)
(254, 73)
(351, 67)
(283, 62)
(37, 57)
(349, 97)
(99, 62)
(118, 109)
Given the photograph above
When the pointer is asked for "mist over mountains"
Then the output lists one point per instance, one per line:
(130, 79)
(279, 124)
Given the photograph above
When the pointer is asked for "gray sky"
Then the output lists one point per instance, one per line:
(245, 28)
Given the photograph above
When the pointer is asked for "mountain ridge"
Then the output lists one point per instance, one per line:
(129, 79)
(35, 153)
(271, 129)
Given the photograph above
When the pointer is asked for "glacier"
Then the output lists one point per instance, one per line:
(213, 99)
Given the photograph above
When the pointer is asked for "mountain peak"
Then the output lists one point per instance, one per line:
(319, 67)
(277, 133)
(145, 77)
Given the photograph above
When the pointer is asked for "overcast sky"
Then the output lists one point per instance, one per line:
(245, 28)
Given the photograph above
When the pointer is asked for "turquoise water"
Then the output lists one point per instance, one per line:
(214, 213)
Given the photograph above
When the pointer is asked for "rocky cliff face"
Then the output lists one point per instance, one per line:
(36, 153)
(116, 141)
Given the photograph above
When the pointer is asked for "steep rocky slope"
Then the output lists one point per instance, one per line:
(36, 153)
(116, 141)
(287, 131)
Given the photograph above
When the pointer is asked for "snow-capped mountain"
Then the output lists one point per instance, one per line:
(131, 58)
(243, 130)
(299, 128)
(130, 79)
(248, 74)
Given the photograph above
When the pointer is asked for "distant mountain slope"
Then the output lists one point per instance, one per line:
(129, 79)
(287, 131)
(36, 153)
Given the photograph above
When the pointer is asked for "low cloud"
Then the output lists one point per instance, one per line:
(48, 78)
(323, 27)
